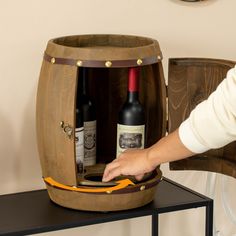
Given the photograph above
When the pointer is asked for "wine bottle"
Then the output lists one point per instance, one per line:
(89, 118)
(79, 142)
(131, 120)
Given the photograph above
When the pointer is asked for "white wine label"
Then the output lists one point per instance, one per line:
(129, 137)
(90, 143)
(79, 149)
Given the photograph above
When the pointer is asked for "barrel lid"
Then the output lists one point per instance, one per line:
(103, 50)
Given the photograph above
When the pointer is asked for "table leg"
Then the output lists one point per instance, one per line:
(155, 224)
(209, 219)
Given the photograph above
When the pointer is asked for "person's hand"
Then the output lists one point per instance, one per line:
(138, 162)
(131, 162)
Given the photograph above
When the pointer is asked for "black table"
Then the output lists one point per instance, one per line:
(33, 212)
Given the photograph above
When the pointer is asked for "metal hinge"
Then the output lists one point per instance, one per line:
(67, 129)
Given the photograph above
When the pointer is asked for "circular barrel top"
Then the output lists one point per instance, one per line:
(103, 51)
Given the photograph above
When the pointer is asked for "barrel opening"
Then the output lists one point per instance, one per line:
(94, 177)
(97, 178)
(120, 41)
(107, 89)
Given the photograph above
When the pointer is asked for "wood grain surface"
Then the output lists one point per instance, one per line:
(192, 80)
(56, 103)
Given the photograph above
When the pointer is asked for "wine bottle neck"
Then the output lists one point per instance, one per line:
(133, 97)
(82, 81)
(79, 118)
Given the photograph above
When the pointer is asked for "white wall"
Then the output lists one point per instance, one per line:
(204, 29)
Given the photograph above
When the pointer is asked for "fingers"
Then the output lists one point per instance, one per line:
(127, 163)
(139, 177)
(112, 174)
(109, 173)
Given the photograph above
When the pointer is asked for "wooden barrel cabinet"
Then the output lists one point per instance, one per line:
(108, 58)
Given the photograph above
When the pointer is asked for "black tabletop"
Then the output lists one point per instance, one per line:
(33, 212)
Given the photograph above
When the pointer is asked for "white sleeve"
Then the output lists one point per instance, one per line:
(212, 124)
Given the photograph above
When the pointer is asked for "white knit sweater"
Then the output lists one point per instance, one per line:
(212, 124)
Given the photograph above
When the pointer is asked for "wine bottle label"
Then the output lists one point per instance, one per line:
(90, 143)
(79, 148)
(129, 137)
